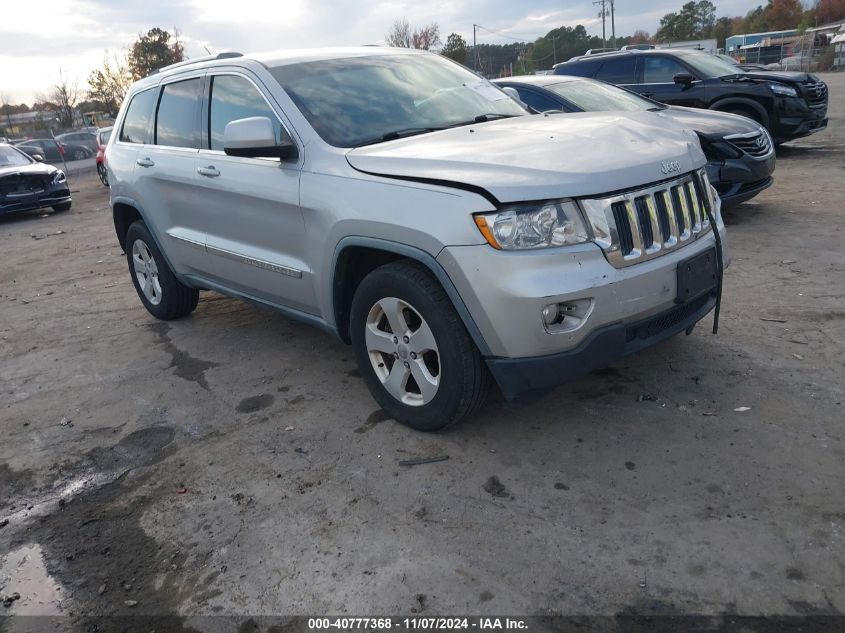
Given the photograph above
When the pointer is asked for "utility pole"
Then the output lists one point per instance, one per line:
(475, 47)
(603, 15)
(554, 47)
(612, 25)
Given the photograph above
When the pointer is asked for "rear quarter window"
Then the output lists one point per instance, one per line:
(136, 123)
(585, 68)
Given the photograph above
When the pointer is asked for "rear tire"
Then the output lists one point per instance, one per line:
(79, 154)
(164, 296)
(103, 174)
(430, 374)
(58, 208)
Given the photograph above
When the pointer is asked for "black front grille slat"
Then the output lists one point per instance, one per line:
(703, 198)
(663, 217)
(695, 220)
(679, 212)
(645, 221)
(623, 228)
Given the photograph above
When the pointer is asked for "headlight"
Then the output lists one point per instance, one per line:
(782, 89)
(59, 177)
(534, 225)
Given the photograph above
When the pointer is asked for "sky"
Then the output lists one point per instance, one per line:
(41, 38)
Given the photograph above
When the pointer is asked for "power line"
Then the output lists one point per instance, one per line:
(502, 34)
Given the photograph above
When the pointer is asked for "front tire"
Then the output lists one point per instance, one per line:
(413, 350)
(164, 296)
(79, 154)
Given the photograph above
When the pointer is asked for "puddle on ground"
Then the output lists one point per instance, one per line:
(23, 572)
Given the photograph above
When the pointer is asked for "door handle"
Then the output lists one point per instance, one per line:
(145, 162)
(211, 171)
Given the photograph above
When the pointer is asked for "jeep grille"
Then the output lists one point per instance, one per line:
(636, 226)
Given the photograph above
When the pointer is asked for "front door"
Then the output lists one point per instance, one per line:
(255, 228)
(658, 82)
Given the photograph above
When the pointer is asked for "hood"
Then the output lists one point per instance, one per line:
(781, 76)
(537, 157)
(33, 168)
(709, 122)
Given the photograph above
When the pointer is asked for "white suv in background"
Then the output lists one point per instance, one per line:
(400, 202)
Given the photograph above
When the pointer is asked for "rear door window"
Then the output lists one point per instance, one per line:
(178, 118)
(136, 123)
(661, 70)
(618, 71)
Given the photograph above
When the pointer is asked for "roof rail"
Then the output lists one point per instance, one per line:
(197, 60)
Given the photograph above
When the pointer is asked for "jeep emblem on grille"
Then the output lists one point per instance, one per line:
(670, 166)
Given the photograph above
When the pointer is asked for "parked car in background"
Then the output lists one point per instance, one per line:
(103, 135)
(80, 137)
(410, 207)
(789, 105)
(27, 184)
(740, 154)
(51, 150)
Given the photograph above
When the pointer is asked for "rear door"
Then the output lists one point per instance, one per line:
(621, 71)
(658, 82)
(255, 225)
(165, 174)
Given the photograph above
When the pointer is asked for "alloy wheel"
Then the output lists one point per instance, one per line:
(146, 272)
(403, 351)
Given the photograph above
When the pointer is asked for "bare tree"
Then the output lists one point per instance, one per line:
(425, 38)
(4, 105)
(109, 84)
(399, 34)
(62, 98)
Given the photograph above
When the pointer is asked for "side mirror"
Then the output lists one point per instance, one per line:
(255, 137)
(513, 93)
(683, 79)
(38, 158)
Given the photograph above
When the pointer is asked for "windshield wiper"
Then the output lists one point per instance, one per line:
(483, 118)
(397, 134)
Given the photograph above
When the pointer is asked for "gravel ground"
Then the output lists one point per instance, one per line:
(234, 462)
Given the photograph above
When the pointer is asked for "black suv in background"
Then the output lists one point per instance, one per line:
(788, 104)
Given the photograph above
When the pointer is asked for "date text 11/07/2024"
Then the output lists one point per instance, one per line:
(417, 623)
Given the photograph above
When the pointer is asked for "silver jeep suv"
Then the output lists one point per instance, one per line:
(406, 205)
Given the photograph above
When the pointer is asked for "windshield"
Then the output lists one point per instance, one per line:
(594, 96)
(361, 100)
(711, 66)
(11, 157)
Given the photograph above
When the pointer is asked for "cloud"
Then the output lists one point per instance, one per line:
(77, 32)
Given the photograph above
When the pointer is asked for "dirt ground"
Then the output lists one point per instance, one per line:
(233, 462)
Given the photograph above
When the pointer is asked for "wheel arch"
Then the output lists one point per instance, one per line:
(743, 103)
(355, 257)
(125, 211)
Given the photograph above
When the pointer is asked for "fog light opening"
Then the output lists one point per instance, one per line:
(566, 316)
